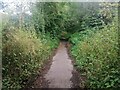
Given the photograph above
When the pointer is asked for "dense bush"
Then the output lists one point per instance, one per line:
(96, 54)
(23, 54)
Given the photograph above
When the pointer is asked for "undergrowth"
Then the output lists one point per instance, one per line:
(23, 54)
(96, 56)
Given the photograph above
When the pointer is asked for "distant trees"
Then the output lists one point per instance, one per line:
(50, 17)
(61, 19)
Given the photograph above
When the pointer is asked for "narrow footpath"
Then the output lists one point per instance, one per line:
(61, 73)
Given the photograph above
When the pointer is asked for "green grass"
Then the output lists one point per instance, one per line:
(97, 55)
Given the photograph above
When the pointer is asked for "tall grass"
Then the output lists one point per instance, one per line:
(23, 54)
(97, 55)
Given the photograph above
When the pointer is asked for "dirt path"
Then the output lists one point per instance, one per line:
(60, 73)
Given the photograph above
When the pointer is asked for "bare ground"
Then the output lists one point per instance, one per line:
(58, 71)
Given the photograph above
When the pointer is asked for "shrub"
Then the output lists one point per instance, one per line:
(23, 54)
(97, 56)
